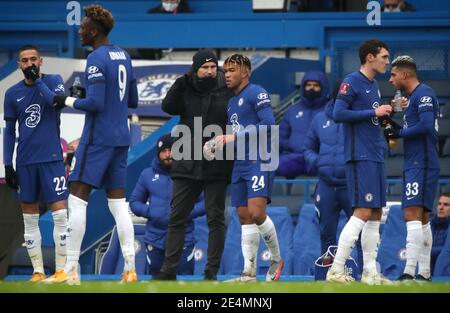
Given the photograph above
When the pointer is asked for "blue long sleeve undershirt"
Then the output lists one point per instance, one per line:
(341, 113)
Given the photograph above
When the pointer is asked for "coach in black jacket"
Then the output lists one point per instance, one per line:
(201, 93)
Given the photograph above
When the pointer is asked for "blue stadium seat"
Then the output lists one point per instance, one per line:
(112, 260)
(232, 260)
(391, 253)
(442, 267)
(201, 246)
(306, 241)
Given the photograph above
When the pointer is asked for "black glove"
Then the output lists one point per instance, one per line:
(59, 101)
(11, 177)
(392, 133)
(31, 72)
(78, 92)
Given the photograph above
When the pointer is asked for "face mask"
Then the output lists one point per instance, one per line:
(206, 83)
(311, 94)
(391, 9)
(169, 6)
(28, 76)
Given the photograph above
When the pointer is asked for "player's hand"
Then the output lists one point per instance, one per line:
(31, 72)
(405, 102)
(383, 110)
(11, 177)
(392, 133)
(222, 140)
(209, 148)
(59, 102)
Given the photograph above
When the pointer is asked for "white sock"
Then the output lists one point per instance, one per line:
(59, 236)
(347, 240)
(269, 234)
(370, 239)
(425, 251)
(250, 244)
(32, 236)
(125, 230)
(76, 228)
(414, 241)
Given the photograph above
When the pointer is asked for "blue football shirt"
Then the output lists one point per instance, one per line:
(363, 138)
(421, 149)
(111, 66)
(39, 134)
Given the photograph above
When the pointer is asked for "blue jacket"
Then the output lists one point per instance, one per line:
(324, 148)
(296, 120)
(439, 228)
(155, 186)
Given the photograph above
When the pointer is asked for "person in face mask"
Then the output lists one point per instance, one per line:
(171, 6)
(397, 6)
(296, 122)
(200, 98)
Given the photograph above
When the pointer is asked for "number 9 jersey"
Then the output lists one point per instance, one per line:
(110, 80)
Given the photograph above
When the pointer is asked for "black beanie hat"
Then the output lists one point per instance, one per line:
(201, 57)
(164, 142)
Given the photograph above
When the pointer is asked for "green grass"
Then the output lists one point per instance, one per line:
(221, 287)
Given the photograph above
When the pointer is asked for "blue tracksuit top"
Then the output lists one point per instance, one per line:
(324, 148)
(155, 187)
(296, 120)
(439, 228)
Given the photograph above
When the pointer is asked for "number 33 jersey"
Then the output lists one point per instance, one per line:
(39, 121)
(111, 66)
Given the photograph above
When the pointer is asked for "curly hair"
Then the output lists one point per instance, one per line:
(101, 16)
(240, 60)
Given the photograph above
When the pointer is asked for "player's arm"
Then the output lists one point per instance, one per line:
(343, 114)
(312, 146)
(138, 198)
(173, 102)
(425, 125)
(199, 207)
(49, 95)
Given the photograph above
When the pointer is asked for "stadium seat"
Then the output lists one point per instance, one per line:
(201, 246)
(445, 110)
(445, 167)
(306, 241)
(446, 148)
(112, 260)
(444, 127)
(442, 266)
(20, 263)
(391, 253)
(394, 166)
(232, 260)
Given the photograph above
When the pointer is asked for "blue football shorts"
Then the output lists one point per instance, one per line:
(419, 187)
(44, 182)
(100, 166)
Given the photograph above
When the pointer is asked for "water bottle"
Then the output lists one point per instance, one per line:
(397, 101)
(77, 90)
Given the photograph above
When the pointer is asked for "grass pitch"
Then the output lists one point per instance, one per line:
(221, 287)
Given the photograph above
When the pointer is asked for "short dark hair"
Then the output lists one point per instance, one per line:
(405, 62)
(241, 60)
(372, 46)
(29, 47)
(101, 16)
(445, 194)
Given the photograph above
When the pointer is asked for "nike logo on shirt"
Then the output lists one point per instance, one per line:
(368, 91)
(20, 99)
